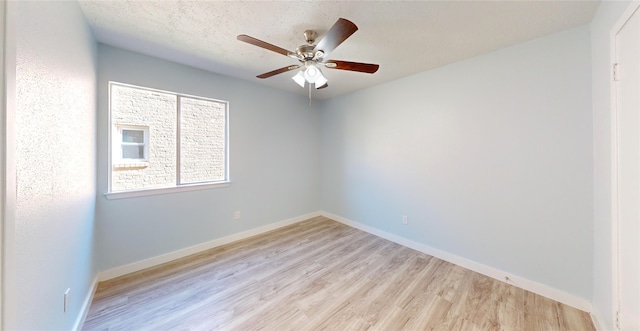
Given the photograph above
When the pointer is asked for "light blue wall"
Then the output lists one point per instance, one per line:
(274, 164)
(603, 302)
(490, 158)
(55, 153)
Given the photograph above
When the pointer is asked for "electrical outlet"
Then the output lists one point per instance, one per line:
(236, 215)
(66, 300)
(405, 219)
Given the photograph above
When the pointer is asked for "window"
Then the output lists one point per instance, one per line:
(163, 141)
(133, 146)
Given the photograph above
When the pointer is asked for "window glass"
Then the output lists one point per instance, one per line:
(162, 139)
(133, 136)
(202, 142)
(133, 152)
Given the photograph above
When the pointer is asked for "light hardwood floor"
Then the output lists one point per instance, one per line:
(320, 275)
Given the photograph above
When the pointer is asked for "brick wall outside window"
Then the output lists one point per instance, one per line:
(202, 138)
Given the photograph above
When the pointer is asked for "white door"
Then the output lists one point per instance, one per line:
(627, 136)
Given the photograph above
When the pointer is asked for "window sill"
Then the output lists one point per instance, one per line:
(164, 190)
(130, 165)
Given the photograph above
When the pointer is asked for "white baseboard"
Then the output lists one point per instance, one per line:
(84, 310)
(597, 320)
(157, 260)
(523, 283)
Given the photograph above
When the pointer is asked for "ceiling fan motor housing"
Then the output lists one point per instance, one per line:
(305, 52)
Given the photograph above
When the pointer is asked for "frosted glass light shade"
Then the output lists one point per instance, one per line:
(299, 79)
(320, 80)
(312, 73)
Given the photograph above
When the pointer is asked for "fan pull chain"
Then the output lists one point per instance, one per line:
(309, 95)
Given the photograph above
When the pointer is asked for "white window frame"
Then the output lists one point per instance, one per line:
(120, 161)
(165, 190)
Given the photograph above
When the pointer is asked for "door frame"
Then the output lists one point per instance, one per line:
(8, 190)
(615, 220)
(3, 147)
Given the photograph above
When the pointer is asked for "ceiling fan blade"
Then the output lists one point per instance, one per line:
(338, 33)
(323, 86)
(352, 66)
(263, 44)
(278, 71)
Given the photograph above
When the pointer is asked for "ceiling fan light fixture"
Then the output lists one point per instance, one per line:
(299, 78)
(312, 73)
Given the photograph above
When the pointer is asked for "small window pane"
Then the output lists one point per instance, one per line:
(133, 152)
(133, 136)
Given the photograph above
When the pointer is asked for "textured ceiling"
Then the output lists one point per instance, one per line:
(403, 37)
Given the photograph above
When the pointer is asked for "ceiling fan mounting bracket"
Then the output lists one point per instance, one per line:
(310, 36)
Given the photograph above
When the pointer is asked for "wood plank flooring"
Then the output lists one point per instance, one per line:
(320, 275)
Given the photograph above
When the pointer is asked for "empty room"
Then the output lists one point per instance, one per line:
(320, 165)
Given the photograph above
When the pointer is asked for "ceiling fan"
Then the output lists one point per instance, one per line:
(312, 57)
